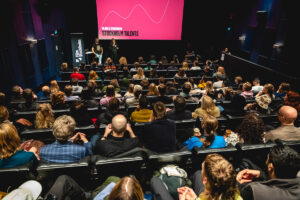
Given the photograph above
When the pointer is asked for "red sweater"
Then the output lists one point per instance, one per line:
(77, 75)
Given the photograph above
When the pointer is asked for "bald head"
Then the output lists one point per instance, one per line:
(119, 123)
(287, 114)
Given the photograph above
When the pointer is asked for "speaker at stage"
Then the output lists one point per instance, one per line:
(78, 54)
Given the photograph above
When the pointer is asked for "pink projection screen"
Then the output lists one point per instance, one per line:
(140, 19)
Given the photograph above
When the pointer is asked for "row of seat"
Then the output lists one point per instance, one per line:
(139, 162)
(164, 73)
(104, 82)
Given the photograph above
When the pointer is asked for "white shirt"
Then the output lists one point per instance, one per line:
(257, 89)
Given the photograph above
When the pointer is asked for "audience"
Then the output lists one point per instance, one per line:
(64, 67)
(114, 141)
(210, 138)
(10, 153)
(186, 89)
(246, 90)
(162, 89)
(30, 103)
(69, 94)
(195, 66)
(44, 116)
(88, 99)
(292, 99)
(139, 74)
(256, 88)
(64, 149)
(153, 90)
(262, 99)
(283, 89)
(238, 80)
(130, 92)
(142, 113)
(54, 86)
(45, 93)
(77, 75)
(93, 76)
(159, 135)
(220, 74)
(77, 89)
(287, 131)
(137, 93)
(179, 111)
(282, 164)
(58, 101)
(79, 112)
(207, 107)
(113, 109)
(110, 93)
(251, 130)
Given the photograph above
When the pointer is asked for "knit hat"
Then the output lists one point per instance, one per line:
(263, 101)
(30, 190)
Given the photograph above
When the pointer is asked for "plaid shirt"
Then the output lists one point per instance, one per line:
(65, 152)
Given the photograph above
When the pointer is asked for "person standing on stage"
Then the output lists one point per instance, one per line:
(113, 48)
(97, 50)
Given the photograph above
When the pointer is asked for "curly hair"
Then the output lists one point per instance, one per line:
(221, 178)
(44, 116)
(251, 129)
(57, 98)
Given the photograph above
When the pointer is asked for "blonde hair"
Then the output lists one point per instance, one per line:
(44, 116)
(221, 178)
(123, 60)
(152, 90)
(208, 104)
(185, 66)
(63, 128)
(4, 114)
(93, 75)
(54, 86)
(140, 73)
(64, 66)
(9, 140)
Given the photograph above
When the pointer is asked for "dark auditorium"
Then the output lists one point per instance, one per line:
(149, 100)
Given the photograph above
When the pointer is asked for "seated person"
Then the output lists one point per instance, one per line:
(88, 99)
(216, 180)
(171, 88)
(113, 109)
(210, 139)
(110, 93)
(93, 88)
(77, 75)
(195, 66)
(246, 90)
(262, 99)
(114, 82)
(137, 91)
(93, 76)
(10, 153)
(162, 89)
(207, 107)
(250, 131)
(139, 74)
(114, 141)
(236, 106)
(63, 150)
(172, 66)
(292, 98)
(238, 80)
(186, 89)
(283, 89)
(30, 103)
(75, 86)
(44, 116)
(141, 113)
(129, 93)
(17, 94)
(58, 101)
(69, 94)
(159, 135)
(153, 90)
(80, 114)
(109, 65)
(283, 164)
(145, 84)
(287, 131)
(220, 74)
(135, 67)
(179, 112)
(256, 88)
(45, 93)
(218, 84)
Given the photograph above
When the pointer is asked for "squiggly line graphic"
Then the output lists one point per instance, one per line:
(137, 5)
